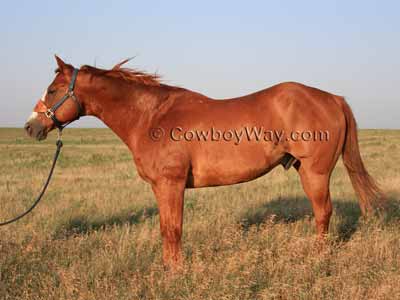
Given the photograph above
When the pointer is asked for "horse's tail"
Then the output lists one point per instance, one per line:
(369, 194)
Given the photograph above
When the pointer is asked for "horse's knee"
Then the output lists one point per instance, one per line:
(171, 234)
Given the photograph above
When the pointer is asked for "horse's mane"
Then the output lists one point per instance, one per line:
(126, 74)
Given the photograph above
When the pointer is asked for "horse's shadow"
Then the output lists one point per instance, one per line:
(279, 210)
(82, 225)
(347, 214)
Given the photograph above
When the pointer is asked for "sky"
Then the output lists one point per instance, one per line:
(219, 48)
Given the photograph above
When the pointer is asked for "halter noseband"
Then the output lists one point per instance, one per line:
(50, 112)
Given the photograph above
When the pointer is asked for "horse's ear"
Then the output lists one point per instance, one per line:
(61, 64)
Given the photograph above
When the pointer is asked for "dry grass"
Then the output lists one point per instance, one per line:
(96, 236)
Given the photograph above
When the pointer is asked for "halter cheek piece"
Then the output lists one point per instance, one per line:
(50, 112)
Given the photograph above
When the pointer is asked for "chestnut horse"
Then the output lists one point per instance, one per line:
(160, 124)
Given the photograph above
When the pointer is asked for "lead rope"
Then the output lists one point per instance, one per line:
(59, 145)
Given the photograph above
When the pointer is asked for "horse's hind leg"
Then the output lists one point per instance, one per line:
(316, 187)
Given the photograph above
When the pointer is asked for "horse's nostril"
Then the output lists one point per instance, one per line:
(28, 128)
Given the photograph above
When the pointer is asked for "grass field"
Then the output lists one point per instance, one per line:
(96, 233)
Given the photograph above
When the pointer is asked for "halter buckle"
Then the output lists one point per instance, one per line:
(49, 114)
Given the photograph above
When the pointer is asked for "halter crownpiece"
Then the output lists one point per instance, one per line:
(50, 112)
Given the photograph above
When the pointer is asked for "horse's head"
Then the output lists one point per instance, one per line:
(58, 106)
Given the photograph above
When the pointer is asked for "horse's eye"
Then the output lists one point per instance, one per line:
(51, 91)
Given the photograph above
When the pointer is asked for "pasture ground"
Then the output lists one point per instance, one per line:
(96, 234)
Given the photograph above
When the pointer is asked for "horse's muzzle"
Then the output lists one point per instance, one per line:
(35, 130)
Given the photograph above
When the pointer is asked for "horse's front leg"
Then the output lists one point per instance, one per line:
(169, 193)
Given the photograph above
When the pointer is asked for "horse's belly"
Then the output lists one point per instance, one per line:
(230, 168)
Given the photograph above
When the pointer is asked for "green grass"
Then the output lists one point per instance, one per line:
(96, 233)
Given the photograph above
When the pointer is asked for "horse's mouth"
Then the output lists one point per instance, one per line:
(42, 135)
(36, 130)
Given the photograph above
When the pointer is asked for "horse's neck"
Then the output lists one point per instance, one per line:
(124, 109)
